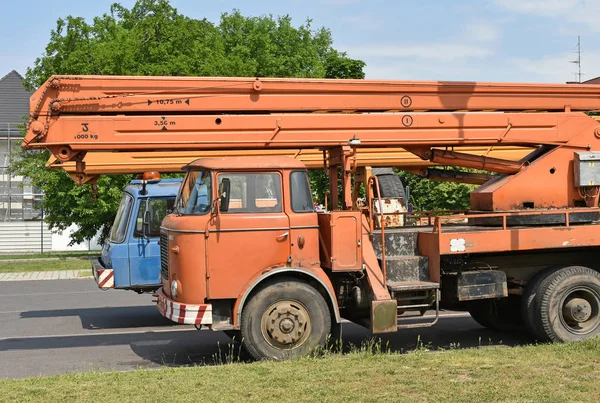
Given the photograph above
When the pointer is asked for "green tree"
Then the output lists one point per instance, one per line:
(427, 195)
(153, 38)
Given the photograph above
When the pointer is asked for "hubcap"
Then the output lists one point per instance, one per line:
(577, 310)
(581, 310)
(286, 324)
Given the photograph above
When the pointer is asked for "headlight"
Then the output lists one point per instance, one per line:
(174, 289)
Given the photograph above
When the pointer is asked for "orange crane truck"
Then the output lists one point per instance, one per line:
(244, 250)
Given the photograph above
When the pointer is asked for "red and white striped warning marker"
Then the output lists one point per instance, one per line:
(106, 278)
(184, 313)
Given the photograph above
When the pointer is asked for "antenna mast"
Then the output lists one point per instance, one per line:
(578, 61)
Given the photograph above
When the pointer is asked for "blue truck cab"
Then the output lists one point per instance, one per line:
(130, 258)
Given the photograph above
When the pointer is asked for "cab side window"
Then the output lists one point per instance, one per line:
(254, 193)
(158, 210)
(302, 201)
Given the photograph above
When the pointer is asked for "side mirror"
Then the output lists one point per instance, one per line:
(146, 224)
(224, 194)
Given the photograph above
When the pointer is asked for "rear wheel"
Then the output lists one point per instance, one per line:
(502, 315)
(284, 319)
(567, 305)
(528, 303)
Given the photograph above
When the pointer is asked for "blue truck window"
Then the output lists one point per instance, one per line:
(119, 228)
(158, 210)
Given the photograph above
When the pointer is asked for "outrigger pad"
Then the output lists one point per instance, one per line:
(384, 316)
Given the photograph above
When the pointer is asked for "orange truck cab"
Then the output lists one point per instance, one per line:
(239, 224)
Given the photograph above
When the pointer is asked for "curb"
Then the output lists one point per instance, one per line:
(44, 275)
(46, 259)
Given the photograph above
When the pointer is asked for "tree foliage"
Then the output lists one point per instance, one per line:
(65, 203)
(427, 195)
(153, 38)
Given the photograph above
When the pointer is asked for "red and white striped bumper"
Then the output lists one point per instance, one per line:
(184, 313)
(105, 278)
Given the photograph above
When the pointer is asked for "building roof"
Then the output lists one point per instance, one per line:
(14, 100)
(592, 81)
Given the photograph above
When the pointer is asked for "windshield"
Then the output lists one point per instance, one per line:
(119, 228)
(194, 197)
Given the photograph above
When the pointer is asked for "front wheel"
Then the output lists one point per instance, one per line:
(284, 319)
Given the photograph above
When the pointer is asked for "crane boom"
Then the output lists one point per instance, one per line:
(75, 115)
(106, 163)
(100, 163)
(127, 94)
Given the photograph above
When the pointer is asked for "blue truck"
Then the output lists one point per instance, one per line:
(130, 258)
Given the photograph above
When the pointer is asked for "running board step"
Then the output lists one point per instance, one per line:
(397, 242)
(401, 319)
(404, 269)
(399, 286)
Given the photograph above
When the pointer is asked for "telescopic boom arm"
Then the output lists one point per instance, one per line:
(75, 115)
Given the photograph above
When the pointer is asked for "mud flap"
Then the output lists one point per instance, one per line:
(384, 316)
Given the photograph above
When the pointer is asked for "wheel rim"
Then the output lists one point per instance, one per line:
(286, 324)
(580, 310)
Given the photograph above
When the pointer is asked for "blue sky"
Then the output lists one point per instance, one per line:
(485, 40)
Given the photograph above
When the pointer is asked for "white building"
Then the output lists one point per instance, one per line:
(21, 225)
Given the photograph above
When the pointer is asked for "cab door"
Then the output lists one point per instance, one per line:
(144, 251)
(251, 236)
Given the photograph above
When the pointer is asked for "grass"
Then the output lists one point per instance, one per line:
(85, 273)
(59, 255)
(79, 264)
(545, 373)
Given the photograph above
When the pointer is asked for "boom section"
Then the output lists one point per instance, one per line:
(100, 163)
(74, 114)
(142, 94)
(70, 135)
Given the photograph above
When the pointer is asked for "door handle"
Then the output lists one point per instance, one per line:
(283, 236)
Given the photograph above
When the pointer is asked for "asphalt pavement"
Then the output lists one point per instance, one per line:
(58, 326)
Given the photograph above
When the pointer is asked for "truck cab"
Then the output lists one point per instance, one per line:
(130, 258)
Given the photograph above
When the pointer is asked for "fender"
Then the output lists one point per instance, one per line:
(320, 277)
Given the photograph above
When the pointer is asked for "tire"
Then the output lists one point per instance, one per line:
(284, 319)
(390, 184)
(382, 171)
(335, 342)
(528, 303)
(501, 315)
(567, 305)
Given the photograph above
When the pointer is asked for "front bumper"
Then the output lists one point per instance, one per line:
(184, 313)
(105, 278)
